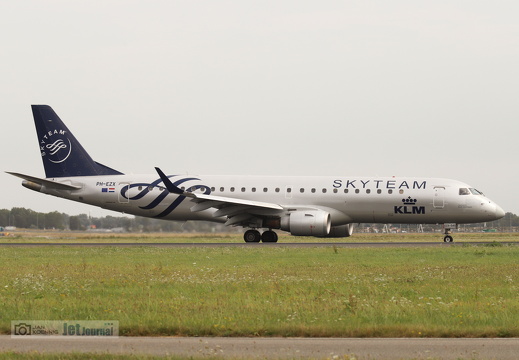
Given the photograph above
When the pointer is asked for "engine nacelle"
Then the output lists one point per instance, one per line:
(340, 231)
(307, 223)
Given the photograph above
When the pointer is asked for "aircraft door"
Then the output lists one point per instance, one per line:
(439, 197)
(123, 193)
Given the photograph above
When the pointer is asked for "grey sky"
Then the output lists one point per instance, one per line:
(409, 88)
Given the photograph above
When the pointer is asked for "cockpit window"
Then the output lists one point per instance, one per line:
(475, 192)
(464, 191)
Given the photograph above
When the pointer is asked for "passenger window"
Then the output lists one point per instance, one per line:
(302, 190)
(357, 191)
(390, 191)
(313, 190)
(242, 189)
(212, 189)
(277, 189)
(335, 191)
(401, 191)
(222, 189)
(346, 191)
(253, 189)
(324, 191)
(368, 191)
(289, 190)
(379, 191)
(265, 189)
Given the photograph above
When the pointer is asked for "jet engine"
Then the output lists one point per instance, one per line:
(307, 223)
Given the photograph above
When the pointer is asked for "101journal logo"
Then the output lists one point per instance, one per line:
(86, 328)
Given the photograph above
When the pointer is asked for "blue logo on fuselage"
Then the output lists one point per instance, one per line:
(163, 194)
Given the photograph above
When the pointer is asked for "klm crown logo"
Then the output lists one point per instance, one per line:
(409, 207)
(409, 201)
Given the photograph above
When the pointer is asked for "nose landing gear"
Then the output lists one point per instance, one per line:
(447, 231)
(448, 238)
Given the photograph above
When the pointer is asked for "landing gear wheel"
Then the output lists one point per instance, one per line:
(269, 236)
(448, 239)
(252, 236)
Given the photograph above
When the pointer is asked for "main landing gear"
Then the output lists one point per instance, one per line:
(254, 236)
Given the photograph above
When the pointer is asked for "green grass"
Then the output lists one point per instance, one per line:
(462, 291)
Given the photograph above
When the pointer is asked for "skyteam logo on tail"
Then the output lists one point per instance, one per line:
(55, 146)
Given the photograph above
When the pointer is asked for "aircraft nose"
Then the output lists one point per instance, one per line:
(499, 212)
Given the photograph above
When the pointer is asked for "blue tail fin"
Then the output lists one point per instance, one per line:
(62, 154)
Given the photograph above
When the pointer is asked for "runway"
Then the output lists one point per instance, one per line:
(292, 244)
(274, 348)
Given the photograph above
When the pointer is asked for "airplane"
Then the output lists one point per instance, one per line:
(319, 206)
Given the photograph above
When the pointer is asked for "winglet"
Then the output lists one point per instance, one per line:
(172, 188)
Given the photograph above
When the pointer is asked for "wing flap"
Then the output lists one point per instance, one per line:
(230, 210)
(205, 204)
(238, 219)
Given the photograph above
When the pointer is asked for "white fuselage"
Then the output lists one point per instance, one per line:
(347, 199)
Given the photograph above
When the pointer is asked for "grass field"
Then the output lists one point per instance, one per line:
(460, 291)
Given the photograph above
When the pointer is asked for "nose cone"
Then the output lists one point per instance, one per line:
(499, 212)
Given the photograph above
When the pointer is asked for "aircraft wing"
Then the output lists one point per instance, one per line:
(210, 199)
(49, 184)
(237, 211)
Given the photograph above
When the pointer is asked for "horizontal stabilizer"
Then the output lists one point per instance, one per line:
(49, 184)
